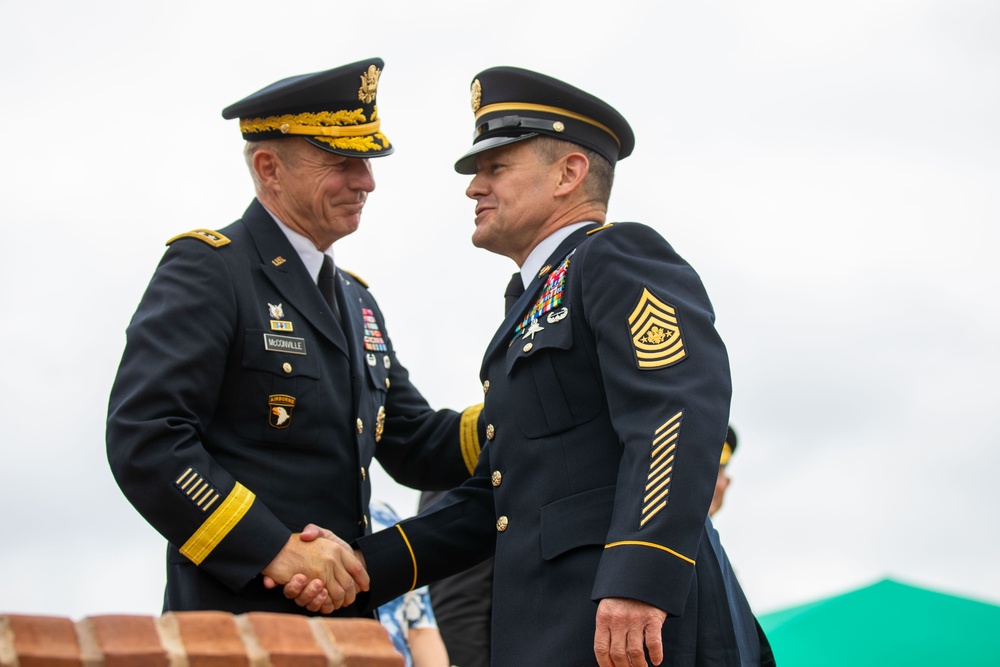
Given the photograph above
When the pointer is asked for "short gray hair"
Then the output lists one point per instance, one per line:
(600, 177)
(279, 146)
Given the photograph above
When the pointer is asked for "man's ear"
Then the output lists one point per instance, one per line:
(574, 169)
(266, 164)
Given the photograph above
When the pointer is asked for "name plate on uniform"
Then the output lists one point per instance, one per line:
(289, 344)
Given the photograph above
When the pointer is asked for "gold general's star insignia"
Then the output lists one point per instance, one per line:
(656, 333)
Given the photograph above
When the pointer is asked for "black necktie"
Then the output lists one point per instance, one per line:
(515, 288)
(325, 282)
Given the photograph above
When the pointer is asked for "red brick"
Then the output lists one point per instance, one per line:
(363, 641)
(42, 641)
(211, 639)
(288, 639)
(126, 641)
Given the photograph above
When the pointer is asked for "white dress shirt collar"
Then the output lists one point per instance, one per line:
(533, 263)
(304, 248)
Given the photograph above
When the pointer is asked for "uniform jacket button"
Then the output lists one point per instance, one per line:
(502, 523)
(361, 426)
(486, 386)
(363, 474)
(287, 367)
(496, 478)
(490, 432)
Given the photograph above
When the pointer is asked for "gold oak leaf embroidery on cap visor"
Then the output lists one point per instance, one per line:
(656, 333)
(661, 468)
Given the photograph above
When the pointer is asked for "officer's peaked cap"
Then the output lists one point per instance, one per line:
(729, 447)
(512, 104)
(334, 110)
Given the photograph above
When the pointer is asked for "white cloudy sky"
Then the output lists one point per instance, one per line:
(831, 170)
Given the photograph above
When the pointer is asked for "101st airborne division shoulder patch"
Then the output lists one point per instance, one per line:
(656, 333)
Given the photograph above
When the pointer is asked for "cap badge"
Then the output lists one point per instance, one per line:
(477, 95)
(656, 333)
(369, 84)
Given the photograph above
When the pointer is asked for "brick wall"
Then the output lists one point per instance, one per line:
(194, 639)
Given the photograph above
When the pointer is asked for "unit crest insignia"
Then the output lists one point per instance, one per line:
(656, 333)
(276, 311)
(280, 415)
(369, 84)
(379, 423)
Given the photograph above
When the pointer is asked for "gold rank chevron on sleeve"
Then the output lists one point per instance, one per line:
(656, 333)
(219, 523)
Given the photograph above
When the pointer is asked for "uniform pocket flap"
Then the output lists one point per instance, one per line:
(551, 331)
(288, 356)
(575, 521)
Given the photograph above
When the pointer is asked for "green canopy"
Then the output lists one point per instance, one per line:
(886, 624)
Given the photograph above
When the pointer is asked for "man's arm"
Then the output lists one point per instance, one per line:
(166, 393)
(666, 376)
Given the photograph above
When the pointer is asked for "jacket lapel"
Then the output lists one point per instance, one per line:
(282, 266)
(352, 320)
(501, 339)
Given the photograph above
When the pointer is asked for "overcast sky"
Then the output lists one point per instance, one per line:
(830, 169)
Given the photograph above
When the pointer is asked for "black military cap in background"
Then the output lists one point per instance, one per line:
(728, 447)
(512, 104)
(334, 110)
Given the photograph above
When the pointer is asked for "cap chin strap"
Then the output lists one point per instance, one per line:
(546, 124)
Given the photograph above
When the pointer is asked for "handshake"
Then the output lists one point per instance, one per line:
(319, 570)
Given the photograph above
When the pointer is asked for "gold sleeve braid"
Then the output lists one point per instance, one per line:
(217, 526)
(469, 436)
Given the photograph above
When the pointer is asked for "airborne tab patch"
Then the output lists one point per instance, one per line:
(656, 333)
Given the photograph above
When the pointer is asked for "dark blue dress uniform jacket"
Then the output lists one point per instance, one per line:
(604, 430)
(228, 432)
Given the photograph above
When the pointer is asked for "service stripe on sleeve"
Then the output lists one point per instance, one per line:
(469, 436)
(218, 525)
(661, 468)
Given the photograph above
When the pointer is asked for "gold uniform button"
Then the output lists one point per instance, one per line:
(490, 432)
(527, 348)
(366, 522)
(387, 383)
(361, 426)
(502, 524)
(287, 367)
(496, 478)
(486, 387)
(363, 474)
